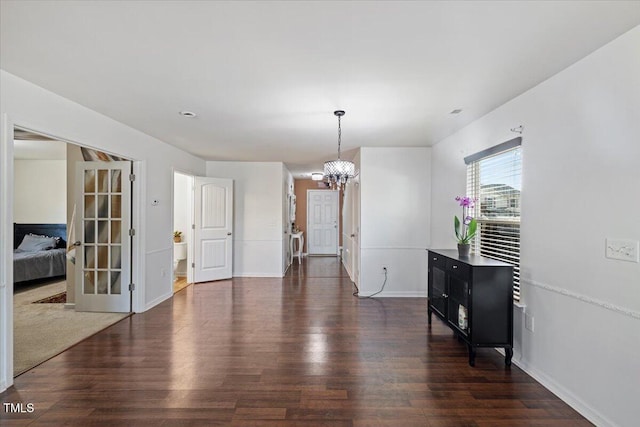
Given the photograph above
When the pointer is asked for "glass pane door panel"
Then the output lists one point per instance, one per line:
(89, 282)
(103, 181)
(90, 181)
(438, 287)
(102, 282)
(89, 231)
(103, 257)
(116, 206)
(438, 281)
(89, 206)
(116, 283)
(89, 257)
(116, 235)
(116, 262)
(103, 231)
(458, 310)
(458, 289)
(103, 206)
(116, 181)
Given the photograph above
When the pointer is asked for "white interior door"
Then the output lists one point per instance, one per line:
(322, 222)
(213, 241)
(103, 245)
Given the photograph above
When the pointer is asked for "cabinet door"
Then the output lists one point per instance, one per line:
(438, 289)
(458, 303)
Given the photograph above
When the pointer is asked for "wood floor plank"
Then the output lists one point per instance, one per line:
(281, 352)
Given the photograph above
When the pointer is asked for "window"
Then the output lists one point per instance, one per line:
(494, 178)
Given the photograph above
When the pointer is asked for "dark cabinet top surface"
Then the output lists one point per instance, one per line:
(473, 260)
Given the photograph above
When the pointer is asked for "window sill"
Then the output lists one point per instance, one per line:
(519, 305)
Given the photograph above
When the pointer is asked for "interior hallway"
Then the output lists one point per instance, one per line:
(279, 352)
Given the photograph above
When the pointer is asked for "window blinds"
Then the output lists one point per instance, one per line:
(495, 181)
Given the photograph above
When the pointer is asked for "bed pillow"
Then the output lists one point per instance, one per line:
(33, 243)
(60, 243)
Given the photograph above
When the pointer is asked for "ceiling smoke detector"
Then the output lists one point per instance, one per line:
(188, 114)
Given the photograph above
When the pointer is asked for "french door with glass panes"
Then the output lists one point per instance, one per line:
(103, 244)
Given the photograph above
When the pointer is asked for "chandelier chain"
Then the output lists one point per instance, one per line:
(339, 137)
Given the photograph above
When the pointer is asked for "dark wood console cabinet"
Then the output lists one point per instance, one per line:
(474, 297)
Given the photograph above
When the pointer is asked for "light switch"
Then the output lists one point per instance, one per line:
(622, 249)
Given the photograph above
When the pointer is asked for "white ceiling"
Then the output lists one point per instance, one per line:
(265, 77)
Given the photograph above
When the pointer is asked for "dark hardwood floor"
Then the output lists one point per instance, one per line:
(278, 352)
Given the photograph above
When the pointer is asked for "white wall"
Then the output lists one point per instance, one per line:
(40, 191)
(395, 187)
(257, 214)
(27, 105)
(581, 150)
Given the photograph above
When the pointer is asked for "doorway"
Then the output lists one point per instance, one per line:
(203, 220)
(52, 182)
(182, 230)
(322, 222)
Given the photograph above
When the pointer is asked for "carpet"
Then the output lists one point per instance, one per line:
(41, 331)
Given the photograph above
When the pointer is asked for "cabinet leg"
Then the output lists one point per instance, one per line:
(472, 356)
(429, 314)
(508, 354)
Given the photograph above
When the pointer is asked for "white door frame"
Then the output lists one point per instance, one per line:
(6, 253)
(338, 231)
(355, 228)
(6, 237)
(189, 231)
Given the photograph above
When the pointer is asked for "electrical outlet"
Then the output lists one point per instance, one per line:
(622, 249)
(528, 322)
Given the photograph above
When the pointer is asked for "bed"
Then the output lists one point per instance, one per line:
(39, 251)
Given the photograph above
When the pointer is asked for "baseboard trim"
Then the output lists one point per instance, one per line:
(70, 305)
(569, 398)
(157, 301)
(266, 275)
(394, 294)
(399, 248)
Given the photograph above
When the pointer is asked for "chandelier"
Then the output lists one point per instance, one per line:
(339, 171)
